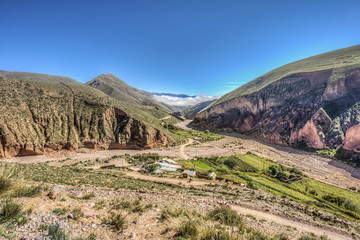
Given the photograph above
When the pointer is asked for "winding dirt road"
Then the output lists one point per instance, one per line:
(302, 227)
(182, 149)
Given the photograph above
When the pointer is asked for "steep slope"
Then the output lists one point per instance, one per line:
(37, 117)
(37, 77)
(116, 88)
(191, 112)
(340, 60)
(302, 106)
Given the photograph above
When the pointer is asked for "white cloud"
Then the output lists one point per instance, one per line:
(178, 101)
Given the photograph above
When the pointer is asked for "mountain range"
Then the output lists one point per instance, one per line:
(50, 113)
(312, 103)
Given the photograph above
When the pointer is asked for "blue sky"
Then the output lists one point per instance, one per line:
(188, 46)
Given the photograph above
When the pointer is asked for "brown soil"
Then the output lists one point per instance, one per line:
(324, 169)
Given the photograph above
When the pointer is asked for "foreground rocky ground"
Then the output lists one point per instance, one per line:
(147, 223)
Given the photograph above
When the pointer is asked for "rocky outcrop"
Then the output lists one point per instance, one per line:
(308, 109)
(42, 117)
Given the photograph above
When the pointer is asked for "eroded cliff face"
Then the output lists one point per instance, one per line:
(40, 117)
(303, 109)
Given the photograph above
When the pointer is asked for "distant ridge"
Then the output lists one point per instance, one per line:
(39, 77)
(118, 89)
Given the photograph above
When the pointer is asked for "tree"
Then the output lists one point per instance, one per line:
(230, 163)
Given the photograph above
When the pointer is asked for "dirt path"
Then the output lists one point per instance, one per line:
(286, 222)
(320, 168)
(185, 182)
(184, 124)
(182, 149)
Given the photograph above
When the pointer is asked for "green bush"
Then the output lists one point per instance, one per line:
(351, 205)
(256, 235)
(281, 175)
(10, 210)
(117, 221)
(230, 163)
(188, 229)
(216, 233)
(87, 196)
(273, 170)
(77, 213)
(250, 184)
(28, 191)
(227, 216)
(296, 171)
(5, 184)
(334, 199)
(60, 211)
(133, 206)
(56, 233)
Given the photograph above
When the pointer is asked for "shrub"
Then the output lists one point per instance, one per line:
(333, 199)
(226, 216)
(117, 221)
(256, 235)
(5, 184)
(296, 171)
(273, 170)
(88, 196)
(92, 236)
(133, 206)
(22, 220)
(281, 175)
(188, 229)
(216, 233)
(60, 211)
(282, 236)
(28, 191)
(313, 237)
(351, 205)
(43, 227)
(166, 213)
(77, 213)
(100, 204)
(222, 169)
(313, 192)
(251, 185)
(9, 210)
(230, 163)
(56, 233)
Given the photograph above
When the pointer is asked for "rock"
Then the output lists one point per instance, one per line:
(133, 235)
(57, 192)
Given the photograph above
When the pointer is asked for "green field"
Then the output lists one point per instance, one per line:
(307, 190)
(183, 134)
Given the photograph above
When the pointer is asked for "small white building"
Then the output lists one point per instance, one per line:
(168, 166)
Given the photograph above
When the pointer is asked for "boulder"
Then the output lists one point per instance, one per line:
(57, 192)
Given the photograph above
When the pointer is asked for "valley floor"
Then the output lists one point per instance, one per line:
(325, 169)
(263, 211)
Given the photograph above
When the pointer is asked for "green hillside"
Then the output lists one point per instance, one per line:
(340, 60)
